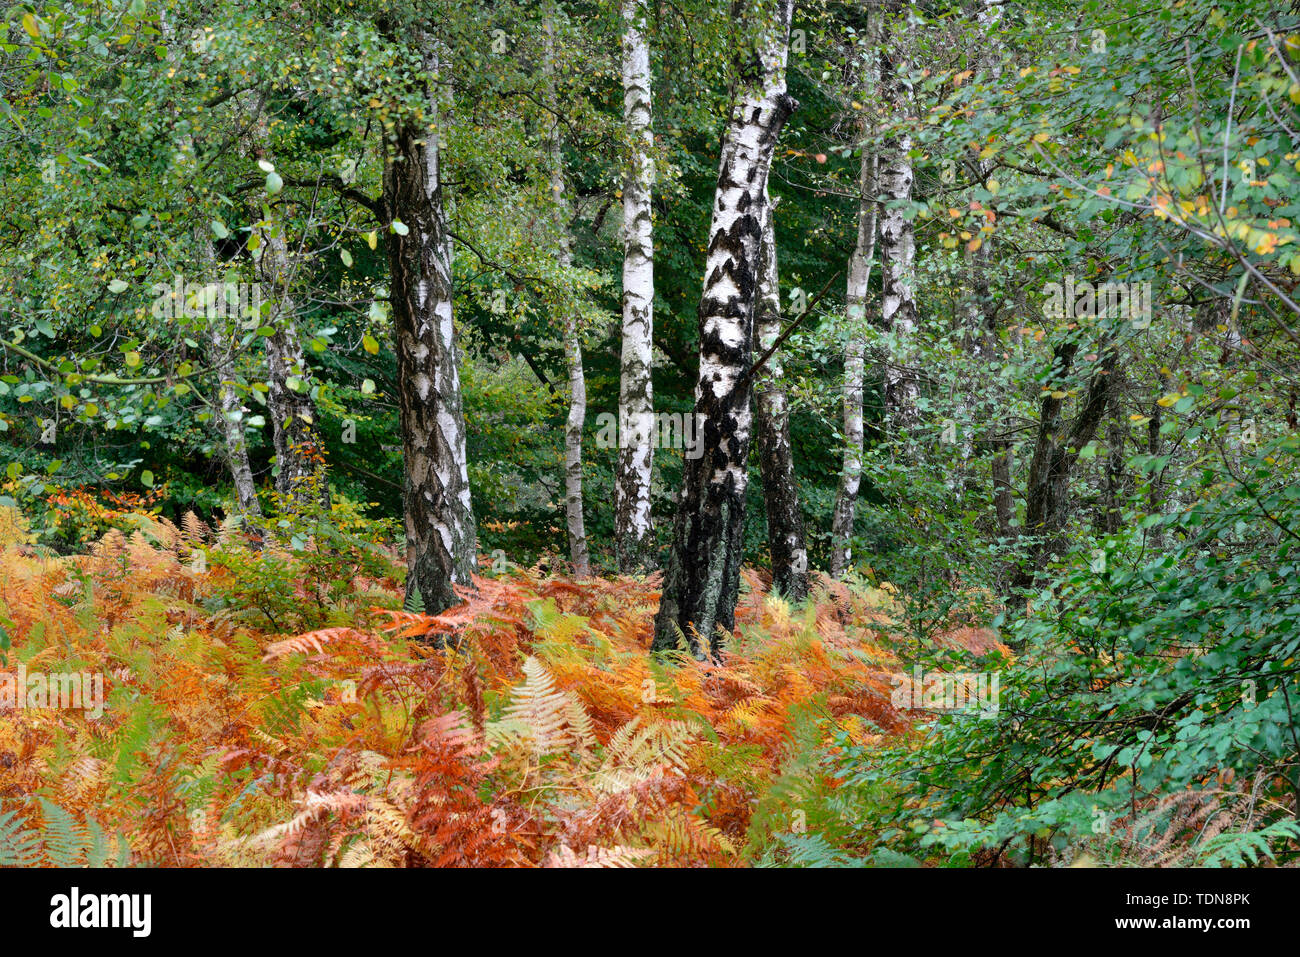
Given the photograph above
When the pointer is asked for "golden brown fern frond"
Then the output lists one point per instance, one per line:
(617, 856)
(194, 531)
(315, 641)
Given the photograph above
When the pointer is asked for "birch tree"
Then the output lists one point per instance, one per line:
(439, 517)
(785, 529)
(230, 411)
(577, 415)
(702, 576)
(300, 466)
(636, 392)
(856, 297)
(897, 239)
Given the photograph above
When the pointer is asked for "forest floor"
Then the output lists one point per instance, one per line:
(256, 710)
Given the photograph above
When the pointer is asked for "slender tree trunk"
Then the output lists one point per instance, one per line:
(1116, 470)
(856, 294)
(785, 532)
(300, 474)
(1003, 503)
(230, 419)
(231, 411)
(439, 518)
(1047, 498)
(702, 577)
(897, 239)
(1155, 536)
(636, 393)
(577, 416)
(300, 465)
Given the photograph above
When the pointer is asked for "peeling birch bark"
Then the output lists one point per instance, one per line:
(439, 517)
(702, 576)
(897, 239)
(856, 296)
(577, 415)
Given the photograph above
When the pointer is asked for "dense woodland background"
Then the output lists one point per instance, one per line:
(987, 312)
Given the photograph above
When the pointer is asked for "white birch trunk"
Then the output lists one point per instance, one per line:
(856, 295)
(636, 392)
(577, 416)
(300, 464)
(897, 238)
(701, 581)
(230, 410)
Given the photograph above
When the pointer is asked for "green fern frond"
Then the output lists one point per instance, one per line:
(414, 602)
(20, 845)
(65, 839)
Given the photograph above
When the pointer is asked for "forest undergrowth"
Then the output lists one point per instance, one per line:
(265, 700)
(257, 712)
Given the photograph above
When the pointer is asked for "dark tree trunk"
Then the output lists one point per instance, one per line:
(1047, 499)
(1003, 504)
(1116, 473)
(1155, 536)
